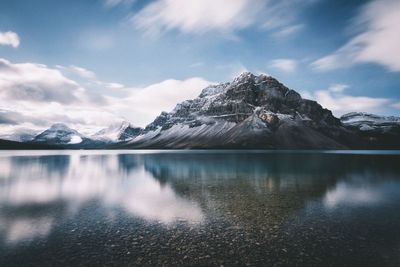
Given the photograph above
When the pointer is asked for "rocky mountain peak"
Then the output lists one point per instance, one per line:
(247, 108)
(244, 77)
(248, 77)
(120, 131)
(59, 133)
(60, 127)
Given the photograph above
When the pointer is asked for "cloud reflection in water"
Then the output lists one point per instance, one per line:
(46, 181)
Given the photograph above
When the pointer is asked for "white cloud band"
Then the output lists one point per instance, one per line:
(9, 38)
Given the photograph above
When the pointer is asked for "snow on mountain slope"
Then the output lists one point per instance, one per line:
(117, 132)
(370, 122)
(249, 112)
(59, 134)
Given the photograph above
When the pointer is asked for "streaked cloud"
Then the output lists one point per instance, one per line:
(288, 30)
(338, 87)
(84, 73)
(378, 42)
(114, 3)
(284, 64)
(89, 76)
(227, 16)
(9, 38)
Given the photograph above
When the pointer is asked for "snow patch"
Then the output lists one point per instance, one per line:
(75, 139)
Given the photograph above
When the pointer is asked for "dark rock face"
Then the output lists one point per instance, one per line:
(129, 133)
(249, 112)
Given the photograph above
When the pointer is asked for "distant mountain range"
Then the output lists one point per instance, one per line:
(251, 112)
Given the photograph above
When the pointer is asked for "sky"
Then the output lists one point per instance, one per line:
(94, 63)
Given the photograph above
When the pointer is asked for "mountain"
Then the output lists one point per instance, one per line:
(377, 131)
(118, 132)
(60, 134)
(370, 122)
(21, 135)
(249, 112)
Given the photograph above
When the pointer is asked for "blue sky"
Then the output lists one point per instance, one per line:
(130, 59)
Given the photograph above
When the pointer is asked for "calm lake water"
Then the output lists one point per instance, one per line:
(207, 208)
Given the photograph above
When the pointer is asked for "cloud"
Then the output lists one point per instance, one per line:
(338, 87)
(84, 73)
(89, 76)
(396, 105)
(34, 96)
(288, 31)
(113, 85)
(146, 103)
(284, 64)
(378, 42)
(36, 82)
(9, 38)
(114, 3)
(340, 103)
(8, 117)
(227, 16)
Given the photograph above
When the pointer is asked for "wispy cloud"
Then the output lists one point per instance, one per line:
(227, 16)
(338, 87)
(113, 3)
(84, 73)
(89, 76)
(378, 43)
(9, 38)
(284, 64)
(288, 31)
(335, 99)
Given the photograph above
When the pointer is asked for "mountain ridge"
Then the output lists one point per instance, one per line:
(251, 112)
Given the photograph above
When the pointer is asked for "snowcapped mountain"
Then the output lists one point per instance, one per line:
(117, 132)
(249, 112)
(370, 122)
(60, 134)
(252, 112)
(374, 130)
(21, 135)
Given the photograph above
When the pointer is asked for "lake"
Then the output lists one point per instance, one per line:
(199, 208)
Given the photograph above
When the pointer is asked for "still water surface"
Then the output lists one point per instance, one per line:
(147, 208)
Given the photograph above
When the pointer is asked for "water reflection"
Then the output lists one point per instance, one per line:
(50, 182)
(41, 195)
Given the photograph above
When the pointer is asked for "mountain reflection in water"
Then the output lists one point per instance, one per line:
(249, 199)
